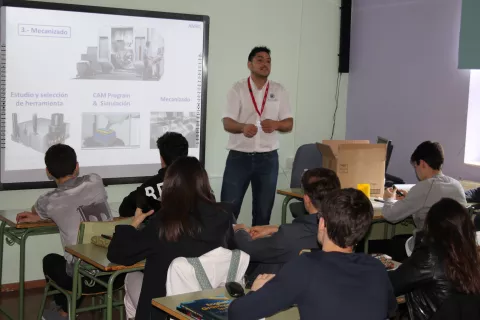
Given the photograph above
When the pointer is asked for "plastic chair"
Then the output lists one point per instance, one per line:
(86, 231)
(308, 156)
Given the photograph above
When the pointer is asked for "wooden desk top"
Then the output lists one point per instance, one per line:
(10, 218)
(97, 257)
(297, 193)
(169, 304)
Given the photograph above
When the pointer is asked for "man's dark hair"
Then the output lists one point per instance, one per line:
(172, 145)
(431, 153)
(256, 50)
(348, 214)
(61, 160)
(319, 182)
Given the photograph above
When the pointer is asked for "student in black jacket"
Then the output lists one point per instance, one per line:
(473, 195)
(189, 224)
(270, 247)
(334, 283)
(443, 264)
(172, 145)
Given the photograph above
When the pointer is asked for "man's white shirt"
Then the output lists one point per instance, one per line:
(241, 109)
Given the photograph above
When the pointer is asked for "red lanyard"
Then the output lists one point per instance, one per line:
(253, 98)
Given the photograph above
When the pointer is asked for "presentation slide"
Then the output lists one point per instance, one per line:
(107, 85)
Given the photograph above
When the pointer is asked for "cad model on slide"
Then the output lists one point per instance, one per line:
(40, 133)
(110, 130)
(123, 53)
(181, 122)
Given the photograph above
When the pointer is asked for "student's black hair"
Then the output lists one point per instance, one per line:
(348, 214)
(256, 50)
(61, 160)
(172, 145)
(186, 184)
(431, 153)
(319, 182)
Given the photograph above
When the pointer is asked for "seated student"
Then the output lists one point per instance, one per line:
(333, 283)
(473, 195)
(273, 246)
(75, 199)
(444, 262)
(172, 146)
(427, 160)
(190, 223)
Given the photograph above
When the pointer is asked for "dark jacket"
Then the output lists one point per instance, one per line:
(473, 195)
(421, 278)
(147, 196)
(459, 307)
(323, 285)
(269, 254)
(129, 246)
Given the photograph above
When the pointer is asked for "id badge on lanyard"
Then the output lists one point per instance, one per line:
(259, 112)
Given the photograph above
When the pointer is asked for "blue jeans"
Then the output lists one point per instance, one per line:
(261, 169)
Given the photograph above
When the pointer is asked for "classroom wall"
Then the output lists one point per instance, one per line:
(404, 83)
(303, 36)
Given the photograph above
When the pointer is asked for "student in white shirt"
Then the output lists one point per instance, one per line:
(256, 109)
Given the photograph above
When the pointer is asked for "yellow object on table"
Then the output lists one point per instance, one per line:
(365, 188)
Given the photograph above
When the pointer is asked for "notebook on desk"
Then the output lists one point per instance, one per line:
(215, 308)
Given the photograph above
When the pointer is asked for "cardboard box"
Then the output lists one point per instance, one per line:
(356, 162)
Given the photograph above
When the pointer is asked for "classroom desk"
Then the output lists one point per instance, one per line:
(95, 256)
(18, 233)
(297, 193)
(169, 304)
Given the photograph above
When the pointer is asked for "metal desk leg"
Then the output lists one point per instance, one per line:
(392, 232)
(21, 276)
(385, 231)
(284, 208)
(2, 232)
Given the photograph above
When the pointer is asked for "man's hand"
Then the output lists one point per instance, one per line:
(140, 217)
(262, 231)
(403, 192)
(389, 194)
(268, 126)
(240, 227)
(249, 130)
(261, 280)
(27, 217)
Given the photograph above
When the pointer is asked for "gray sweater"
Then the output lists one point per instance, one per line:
(422, 197)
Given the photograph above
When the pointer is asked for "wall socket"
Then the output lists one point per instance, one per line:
(289, 163)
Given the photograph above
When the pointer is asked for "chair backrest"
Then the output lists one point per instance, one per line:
(307, 157)
(89, 229)
(181, 276)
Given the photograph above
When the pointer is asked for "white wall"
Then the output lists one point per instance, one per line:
(303, 36)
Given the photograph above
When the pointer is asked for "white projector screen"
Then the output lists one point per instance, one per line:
(107, 82)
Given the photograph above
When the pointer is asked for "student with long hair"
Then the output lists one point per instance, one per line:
(190, 223)
(444, 263)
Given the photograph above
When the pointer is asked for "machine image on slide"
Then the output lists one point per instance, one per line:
(124, 53)
(40, 133)
(110, 130)
(181, 122)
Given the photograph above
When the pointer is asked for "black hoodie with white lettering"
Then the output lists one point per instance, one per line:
(147, 196)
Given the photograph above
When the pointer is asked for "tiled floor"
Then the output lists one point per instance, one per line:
(33, 298)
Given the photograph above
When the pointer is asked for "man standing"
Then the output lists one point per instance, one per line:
(256, 109)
